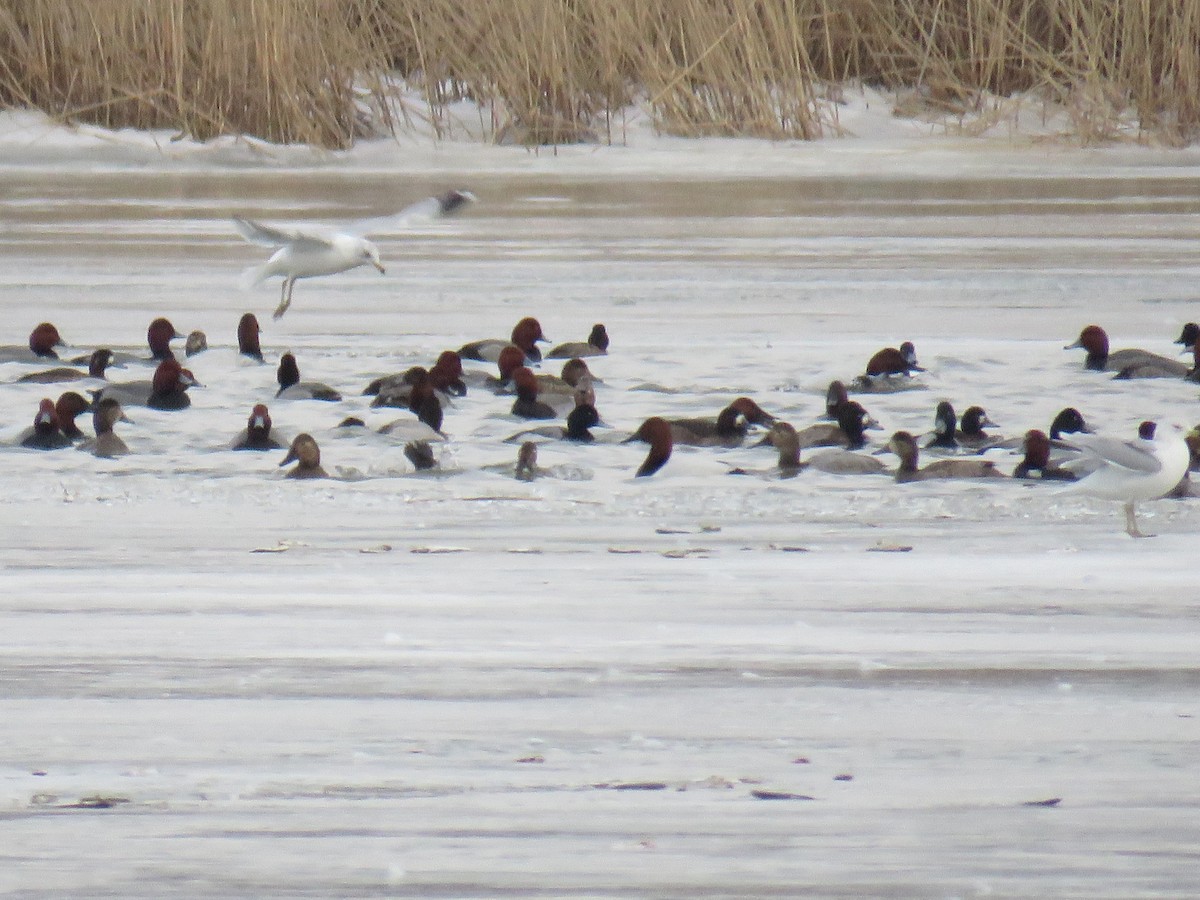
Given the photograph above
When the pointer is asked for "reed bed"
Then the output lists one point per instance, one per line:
(324, 72)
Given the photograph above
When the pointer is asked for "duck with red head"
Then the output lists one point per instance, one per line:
(1036, 464)
(525, 336)
(248, 331)
(656, 432)
(43, 339)
(45, 433)
(307, 454)
(170, 385)
(527, 405)
(159, 336)
(292, 388)
(98, 362)
(728, 429)
(595, 345)
(69, 407)
(1132, 363)
(257, 434)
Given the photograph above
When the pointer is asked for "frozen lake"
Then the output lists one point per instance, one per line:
(470, 687)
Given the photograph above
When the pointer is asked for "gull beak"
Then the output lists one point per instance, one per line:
(379, 266)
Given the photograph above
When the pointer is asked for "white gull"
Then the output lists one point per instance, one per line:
(1145, 468)
(312, 251)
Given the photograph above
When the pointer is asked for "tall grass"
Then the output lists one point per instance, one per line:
(550, 71)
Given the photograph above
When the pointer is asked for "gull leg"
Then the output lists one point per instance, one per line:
(285, 298)
(1131, 526)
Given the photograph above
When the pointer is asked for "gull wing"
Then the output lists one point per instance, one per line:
(267, 236)
(1133, 455)
(422, 211)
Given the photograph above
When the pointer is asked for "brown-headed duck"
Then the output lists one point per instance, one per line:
(525, 336)
(257, 434)
(159, 335)
(42, 341)
(595, 345)
(106, 444)
(728, 429)
(197, 342)
(98, 362)
(524, 468)
(656, 432)
(527, 405)
(904, 445)
(894, 361)
(170, 385)
(783, 438)
(1145, 468)
(1131, 363)
(70, 406)
(307, 454)
(1036, 464)
(45, 433)
(1194, 373)
(849, 431)
(292, 388)
(166, 390)
(248, 331)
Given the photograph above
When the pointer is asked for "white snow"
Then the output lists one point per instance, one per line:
(437, 687)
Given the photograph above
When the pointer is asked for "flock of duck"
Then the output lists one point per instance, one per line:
(562, 407)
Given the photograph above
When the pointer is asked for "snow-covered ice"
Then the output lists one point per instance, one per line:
(472, 687)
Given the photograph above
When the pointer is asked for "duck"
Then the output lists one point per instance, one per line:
(904, 445)
(1188, 336)
(657, 432)
(70, 406)
(894, 361)
(428, 425)
(783, 438)
(1126, 363)
(106, 444)
(159, 335)
(848, 432)
(1069, 420)
(728, 429)
(307, 454)
(847, 462)
(196, 342)
(257, 433)
(970, 432)
(525, 336)
(1145, 468)
(248, 331)
(166, 390)
(524, 468)
(445, 378)
(575, 374)
(1036, 464)
(42, 341)
(45, 434)
(527, 405)
(508, 361)
(580, 421)
(421, 455)
(98, 362)
(835, 397)
(292, 388)
(595, 345)
(945, 428)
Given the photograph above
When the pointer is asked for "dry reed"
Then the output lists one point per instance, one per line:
(551, 71)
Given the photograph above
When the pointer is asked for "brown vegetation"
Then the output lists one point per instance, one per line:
(550, 71)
